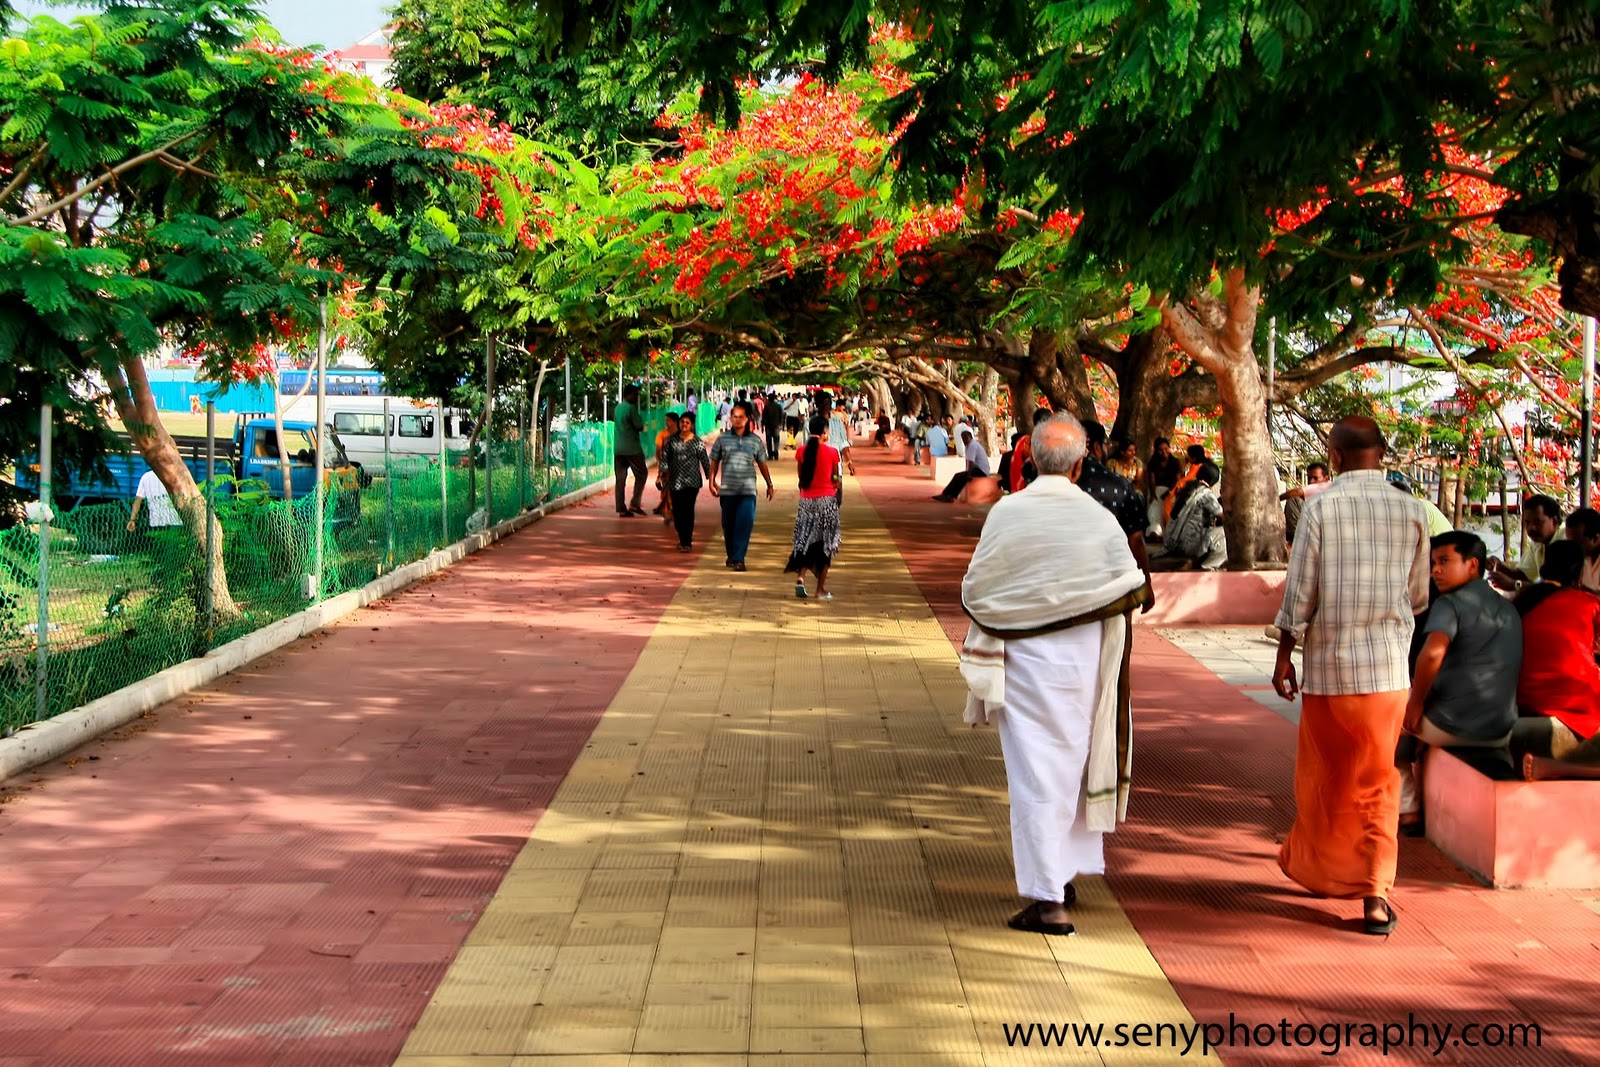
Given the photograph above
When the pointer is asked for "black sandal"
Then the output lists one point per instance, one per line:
(1028, 921)
(1380, 929)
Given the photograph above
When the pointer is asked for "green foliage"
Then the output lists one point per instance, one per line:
(600, 103)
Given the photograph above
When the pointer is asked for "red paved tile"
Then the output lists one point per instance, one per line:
(274, 871)
(1195, 867)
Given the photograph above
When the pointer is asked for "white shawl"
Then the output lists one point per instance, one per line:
(1048, 554)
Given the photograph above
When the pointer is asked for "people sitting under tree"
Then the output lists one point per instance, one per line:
(1318, 478)
(1007, 459)
(1196, 534)
(1583, 528)
(1558, 691)
(1541, 522)
(1197, 458)
(1161, 474)
(1464, 687)
(977, 467)
(1124, 461)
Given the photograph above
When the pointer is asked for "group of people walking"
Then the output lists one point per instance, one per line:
(730, 469)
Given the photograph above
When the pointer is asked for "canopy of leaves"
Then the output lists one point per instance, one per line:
(600, 102)
(168, 177)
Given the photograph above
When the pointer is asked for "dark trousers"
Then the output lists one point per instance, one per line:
(958, 483)
(622, 465)
(773, 433)
(738, 519)
(683, 514)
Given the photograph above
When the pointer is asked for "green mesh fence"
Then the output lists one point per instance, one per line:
(123, 604)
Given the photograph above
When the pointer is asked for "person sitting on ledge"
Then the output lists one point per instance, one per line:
(1196, 531)
(977, 467)
(1583, 528)
(1541, 521)
(1007, 458)
(1559, 689)
(1464, 688)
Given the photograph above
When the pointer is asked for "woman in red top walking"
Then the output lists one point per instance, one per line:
(1558, 692)
(816, 521)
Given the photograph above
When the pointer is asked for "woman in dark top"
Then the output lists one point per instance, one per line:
(685, 467)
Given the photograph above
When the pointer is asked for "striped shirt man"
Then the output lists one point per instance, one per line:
(1357, 576)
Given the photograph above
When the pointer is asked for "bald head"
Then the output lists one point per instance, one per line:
(1058, 444)
(1356, 443)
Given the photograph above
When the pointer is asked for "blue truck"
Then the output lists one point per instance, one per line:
(250, 459)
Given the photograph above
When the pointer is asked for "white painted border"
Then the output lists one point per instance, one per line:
(44, 741)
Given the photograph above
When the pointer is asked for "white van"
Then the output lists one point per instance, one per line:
(413, 429)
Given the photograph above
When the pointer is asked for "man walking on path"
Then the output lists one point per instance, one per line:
(1050, 590)
(629, 452)
(1357, 576)
(838, 436)
(735, 458)
(772, 425)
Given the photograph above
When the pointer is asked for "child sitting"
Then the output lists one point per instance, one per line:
(1464, 687)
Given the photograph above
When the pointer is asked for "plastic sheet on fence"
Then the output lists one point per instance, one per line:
(123, 604)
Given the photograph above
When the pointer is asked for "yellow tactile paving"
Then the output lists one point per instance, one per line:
(782, 848)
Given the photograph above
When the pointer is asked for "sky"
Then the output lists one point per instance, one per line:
(331, 23)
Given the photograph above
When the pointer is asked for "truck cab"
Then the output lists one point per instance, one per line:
(258, 459)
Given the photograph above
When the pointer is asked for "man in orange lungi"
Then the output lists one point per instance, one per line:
(1357, 575)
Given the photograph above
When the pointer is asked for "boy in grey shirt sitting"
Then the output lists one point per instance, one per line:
(1464, 687)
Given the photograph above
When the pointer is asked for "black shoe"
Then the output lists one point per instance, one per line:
(739, 566)
(624, 514)
(1029, 921)
(636, 511)
(1381, 928)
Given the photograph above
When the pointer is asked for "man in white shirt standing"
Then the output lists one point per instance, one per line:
(160, 512)
(977, 467)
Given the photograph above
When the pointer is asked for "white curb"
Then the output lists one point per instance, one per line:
(44, 741)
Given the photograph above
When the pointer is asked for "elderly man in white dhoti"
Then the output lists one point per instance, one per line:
(1050, 591)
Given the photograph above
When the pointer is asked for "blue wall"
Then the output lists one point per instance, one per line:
(173, 390)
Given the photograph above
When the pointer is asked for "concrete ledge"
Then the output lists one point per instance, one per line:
(985, 490)
(943, 468)
(1511, 832)
(1215, 598)
(44, 741)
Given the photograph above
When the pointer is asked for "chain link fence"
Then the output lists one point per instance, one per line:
(121, 604)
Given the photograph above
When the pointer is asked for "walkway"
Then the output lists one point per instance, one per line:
(584, 801)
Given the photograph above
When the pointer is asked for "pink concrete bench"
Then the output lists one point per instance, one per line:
(1214, 598)
(943, 468)
(1509, 832)
(984, 490)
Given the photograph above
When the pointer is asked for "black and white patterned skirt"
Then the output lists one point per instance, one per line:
(816, 534)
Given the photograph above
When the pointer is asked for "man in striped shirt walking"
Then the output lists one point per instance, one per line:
(1357, 576)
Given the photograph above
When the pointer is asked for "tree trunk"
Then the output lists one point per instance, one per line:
(136, 406)
(882, 398)
(1251, 515)
(988, 424)
(1149, 397)
(1218, 334)
(1059, 371)
(1024, 401)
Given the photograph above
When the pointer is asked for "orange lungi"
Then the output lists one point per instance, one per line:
(1344, 842)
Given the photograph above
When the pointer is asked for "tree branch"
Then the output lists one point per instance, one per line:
(83, 191)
